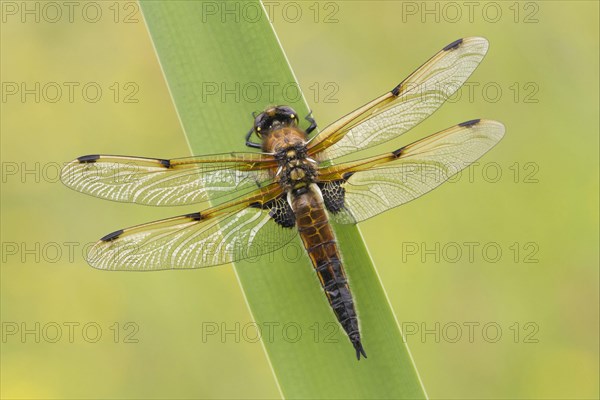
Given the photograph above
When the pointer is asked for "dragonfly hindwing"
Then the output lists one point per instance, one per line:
(333, 195)
(280, 211)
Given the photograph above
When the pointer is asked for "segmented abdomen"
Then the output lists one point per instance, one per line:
(319, 241)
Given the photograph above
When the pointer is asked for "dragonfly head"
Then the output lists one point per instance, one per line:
(274, 118)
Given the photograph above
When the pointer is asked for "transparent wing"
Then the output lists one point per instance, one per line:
(216, 236)
(162, 182)
(377, 184)
(409, 103)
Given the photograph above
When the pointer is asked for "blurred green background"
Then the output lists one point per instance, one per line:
(534, 197)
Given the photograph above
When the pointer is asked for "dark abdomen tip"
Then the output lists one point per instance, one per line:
(358, 347)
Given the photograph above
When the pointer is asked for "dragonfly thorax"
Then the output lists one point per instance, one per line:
(295, 167)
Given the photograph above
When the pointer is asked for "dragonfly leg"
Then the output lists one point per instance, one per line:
(313, 123)
(249, 143)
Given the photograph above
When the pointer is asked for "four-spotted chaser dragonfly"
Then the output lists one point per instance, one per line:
(264, 199)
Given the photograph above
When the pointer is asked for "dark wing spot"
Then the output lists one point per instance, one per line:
(165, 163)
(398, 153)
(88, 159)
(347, 175)
(194, 216)
(453, 45)
(112, 236)
(256, 204)
(470, 123)
(396, 90)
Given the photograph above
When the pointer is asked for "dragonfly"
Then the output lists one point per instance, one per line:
(297, 184)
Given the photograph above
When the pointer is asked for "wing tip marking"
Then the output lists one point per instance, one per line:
(91, 158)
(453, 45)
(469, 123)
(165, 163)
(112, 236)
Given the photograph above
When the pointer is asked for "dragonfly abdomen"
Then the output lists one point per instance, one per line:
(320, 243)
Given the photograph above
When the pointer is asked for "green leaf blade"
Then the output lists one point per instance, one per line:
(218, 73)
